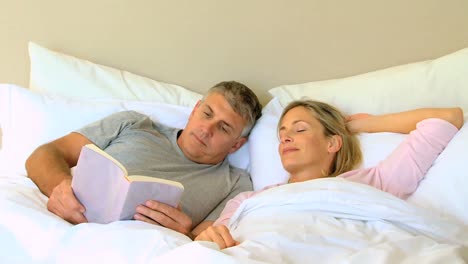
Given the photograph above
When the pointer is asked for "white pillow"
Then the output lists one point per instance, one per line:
(443, 189)
(29, 119)
(59, 74)
(265, 163)
(442, 82)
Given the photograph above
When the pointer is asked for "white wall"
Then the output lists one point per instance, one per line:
(263, 43)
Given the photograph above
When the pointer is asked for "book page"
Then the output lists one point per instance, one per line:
(100, 185)
(140, 192)
(105, 154)
(134, 178)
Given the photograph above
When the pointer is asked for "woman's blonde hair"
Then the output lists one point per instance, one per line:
(333, 121)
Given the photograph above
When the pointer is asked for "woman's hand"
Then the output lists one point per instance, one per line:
(219, 234)
(355, 122)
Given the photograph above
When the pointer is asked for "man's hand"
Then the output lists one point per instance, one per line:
(62, 202)
(219, 234)
(154, 212)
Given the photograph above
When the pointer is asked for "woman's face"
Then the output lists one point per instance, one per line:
(303, 144)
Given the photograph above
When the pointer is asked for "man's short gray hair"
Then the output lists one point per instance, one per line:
(242, 99)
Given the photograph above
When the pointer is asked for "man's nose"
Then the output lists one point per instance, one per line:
(208, 128)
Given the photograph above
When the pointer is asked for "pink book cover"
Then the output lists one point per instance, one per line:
(101, 184)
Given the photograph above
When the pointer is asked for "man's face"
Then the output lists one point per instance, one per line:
(212, 132)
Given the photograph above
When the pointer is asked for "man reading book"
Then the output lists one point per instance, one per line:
(195, 156)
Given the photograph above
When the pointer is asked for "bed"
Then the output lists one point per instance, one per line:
(330, 220)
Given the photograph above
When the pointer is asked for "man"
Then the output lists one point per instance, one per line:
(195, 156)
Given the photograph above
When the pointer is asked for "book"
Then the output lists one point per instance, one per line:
(104, 188)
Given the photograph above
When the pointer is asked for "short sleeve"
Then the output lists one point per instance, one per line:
(103, 131)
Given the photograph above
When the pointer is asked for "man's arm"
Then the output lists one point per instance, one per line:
(49, 168)
(403, 122)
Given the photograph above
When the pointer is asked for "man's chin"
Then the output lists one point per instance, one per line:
(201, 158)
(195, 154)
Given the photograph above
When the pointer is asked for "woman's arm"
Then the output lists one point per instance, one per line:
(403, 122)
(401, 172)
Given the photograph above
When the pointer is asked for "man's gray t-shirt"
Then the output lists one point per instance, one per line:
(148, 148)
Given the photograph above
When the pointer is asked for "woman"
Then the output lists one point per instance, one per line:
(317, 140)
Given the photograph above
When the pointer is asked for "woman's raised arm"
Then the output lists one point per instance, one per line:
(403, 122)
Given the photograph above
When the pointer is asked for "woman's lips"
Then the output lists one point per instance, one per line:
(289, 150)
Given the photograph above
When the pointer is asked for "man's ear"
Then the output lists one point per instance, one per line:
(335, 143)
(238, 144)
(195, 108)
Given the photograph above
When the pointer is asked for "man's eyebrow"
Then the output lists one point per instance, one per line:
(224, 122)
(209, 108)
(227, 124)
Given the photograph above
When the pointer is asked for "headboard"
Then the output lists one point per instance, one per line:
(261, 43)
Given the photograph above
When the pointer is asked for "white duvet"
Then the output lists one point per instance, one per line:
(321, 221)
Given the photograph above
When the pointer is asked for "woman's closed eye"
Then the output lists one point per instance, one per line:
(300, 128)
(206, 114)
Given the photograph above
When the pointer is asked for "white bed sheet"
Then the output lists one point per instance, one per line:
(330, 220)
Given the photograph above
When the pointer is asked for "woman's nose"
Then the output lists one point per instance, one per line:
(285, 138)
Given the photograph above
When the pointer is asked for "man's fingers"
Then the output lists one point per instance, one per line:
(173, 219)
(154, 215)
(174, 213)
(77, 218)
(144, 218)
(75, 209)
(63, 203)
(72, 215)
(73, 204)
(162, 207)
